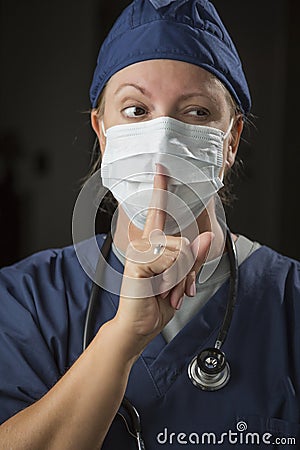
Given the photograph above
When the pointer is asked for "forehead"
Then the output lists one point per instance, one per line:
(164, 75)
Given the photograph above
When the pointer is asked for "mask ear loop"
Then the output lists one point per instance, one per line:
(103, 129)
(228, 131)
(225, 136)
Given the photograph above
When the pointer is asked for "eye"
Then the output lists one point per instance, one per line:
(198, 112)
(134, 111)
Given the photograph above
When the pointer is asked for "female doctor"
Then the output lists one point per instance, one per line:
(169, 92)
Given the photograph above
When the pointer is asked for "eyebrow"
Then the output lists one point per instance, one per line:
(136, 86)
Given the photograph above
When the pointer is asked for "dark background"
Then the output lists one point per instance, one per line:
(48, 53)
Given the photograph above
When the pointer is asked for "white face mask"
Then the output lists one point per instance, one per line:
(191, 154)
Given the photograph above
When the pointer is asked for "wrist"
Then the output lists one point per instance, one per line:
(123, 346)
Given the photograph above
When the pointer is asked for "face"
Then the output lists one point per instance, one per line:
(183, 91)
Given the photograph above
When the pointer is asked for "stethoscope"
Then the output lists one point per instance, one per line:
(209, 370)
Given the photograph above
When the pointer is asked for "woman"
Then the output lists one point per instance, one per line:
(168, 73)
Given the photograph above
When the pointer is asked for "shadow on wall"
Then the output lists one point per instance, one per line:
(10, 201)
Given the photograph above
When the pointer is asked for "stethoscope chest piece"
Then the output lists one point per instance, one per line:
(209, 370)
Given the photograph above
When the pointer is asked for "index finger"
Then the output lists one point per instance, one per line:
(156, 216)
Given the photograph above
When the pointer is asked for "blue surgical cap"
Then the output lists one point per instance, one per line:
(182, 30)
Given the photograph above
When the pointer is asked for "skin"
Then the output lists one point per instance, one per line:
(70, 416)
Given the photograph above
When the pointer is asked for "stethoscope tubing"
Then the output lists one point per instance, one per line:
(233, 289)
(94, 296)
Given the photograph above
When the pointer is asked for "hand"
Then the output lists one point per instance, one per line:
(153, 285)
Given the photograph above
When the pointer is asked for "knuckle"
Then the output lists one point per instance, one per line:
(172, 257)
(182, 244)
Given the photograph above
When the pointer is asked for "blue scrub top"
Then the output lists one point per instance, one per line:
(43, 302)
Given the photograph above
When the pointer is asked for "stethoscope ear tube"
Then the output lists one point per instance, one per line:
(136, 422)
(233, 288)
(209, 370)
(94, 297)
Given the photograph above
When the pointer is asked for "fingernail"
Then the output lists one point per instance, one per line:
(192, 290)
(160, 169)
(179, 304)
(195, 245)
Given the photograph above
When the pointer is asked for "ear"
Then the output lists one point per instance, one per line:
(96, 124)
(234, 140)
